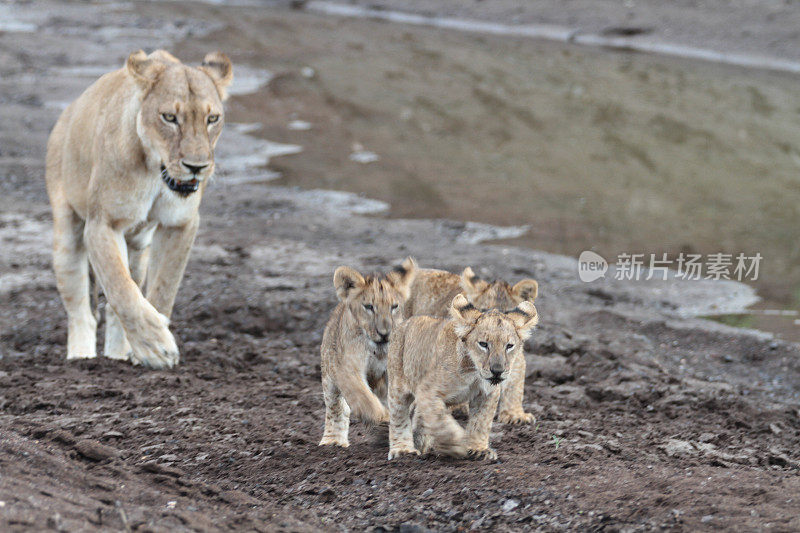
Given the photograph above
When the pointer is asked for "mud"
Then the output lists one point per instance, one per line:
(648, 418)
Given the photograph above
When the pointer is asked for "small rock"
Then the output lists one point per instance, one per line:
(427, 493)
(510, 505)
(94, 450)
(707, 518)
(168, 457)
(412, 528)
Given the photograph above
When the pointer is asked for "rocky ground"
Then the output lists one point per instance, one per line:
(646, 420)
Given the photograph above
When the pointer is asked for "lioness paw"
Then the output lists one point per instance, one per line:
(520, 417)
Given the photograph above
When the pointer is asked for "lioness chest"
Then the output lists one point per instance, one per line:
(154, 206)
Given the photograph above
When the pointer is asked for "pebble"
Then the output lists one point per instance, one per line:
(94, 450)
(510, 505)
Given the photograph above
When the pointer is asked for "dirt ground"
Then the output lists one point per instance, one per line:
(646, 421)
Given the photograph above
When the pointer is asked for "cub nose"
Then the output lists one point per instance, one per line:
(384, 337)
(497, 369)
(193, 167)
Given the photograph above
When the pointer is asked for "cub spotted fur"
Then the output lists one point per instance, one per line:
(431, 294)
(354, 347)
(436, 363)
(127, 165)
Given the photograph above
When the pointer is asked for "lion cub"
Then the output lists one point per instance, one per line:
(431, 294)
(354, 347)
(437, 363)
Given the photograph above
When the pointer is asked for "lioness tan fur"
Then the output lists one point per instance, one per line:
(354, 347)
(434, 290)
(436, 363)
(127, 164)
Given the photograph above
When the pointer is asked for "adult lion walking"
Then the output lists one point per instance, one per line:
(127, 164)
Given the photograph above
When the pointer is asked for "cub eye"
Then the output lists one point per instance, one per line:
(394, 307)
(169, 117)
(509, 347)
(369, 307)
(212, 119)
(483, 345)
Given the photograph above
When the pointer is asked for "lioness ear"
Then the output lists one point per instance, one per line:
(525, 290)
(471, 284)
(402, 276)
(345, 281)
(219, 68)
(525, 317)
(143, 69)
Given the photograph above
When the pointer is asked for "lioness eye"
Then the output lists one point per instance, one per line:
(483, 345)
(509, 347)
(212, 119)
(394, 307)
(369, 307)
(169, 117)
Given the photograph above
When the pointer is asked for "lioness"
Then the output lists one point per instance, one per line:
(431, 294)
(127, 164)
(436, 363)
(354, 347)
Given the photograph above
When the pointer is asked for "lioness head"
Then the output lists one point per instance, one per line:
(497, 294)
(181, 114)
(492, 338)
(376, 302)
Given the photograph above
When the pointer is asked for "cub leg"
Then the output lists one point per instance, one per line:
(337, 416)
(146, 329)
(116, 344)
(71, 266)
(482, 409)
(438, 425)
(401, 437)
(511, 410)
(351, 381)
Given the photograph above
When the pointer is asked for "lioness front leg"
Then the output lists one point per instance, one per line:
(71, 266)
(146, 329)
(511, 410)
(482, 409)
(168, 257)
(116, 343)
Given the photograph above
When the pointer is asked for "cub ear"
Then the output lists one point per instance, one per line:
(345, 281)
(402, 276)
(464, 313)
(525, 317)
(471, 284)
(143, 69)
(220, 69)
(525, 290)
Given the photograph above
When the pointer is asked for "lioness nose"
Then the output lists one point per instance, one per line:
(383, 336)
(193, 167)
(496, 369)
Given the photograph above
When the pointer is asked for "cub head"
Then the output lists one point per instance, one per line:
(492, 338)
(375, 302)
(181, 114)
(497, 294)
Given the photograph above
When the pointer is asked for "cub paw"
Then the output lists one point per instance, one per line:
(331, 440)
(398, 451)
(520, 417)
(483, 453)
